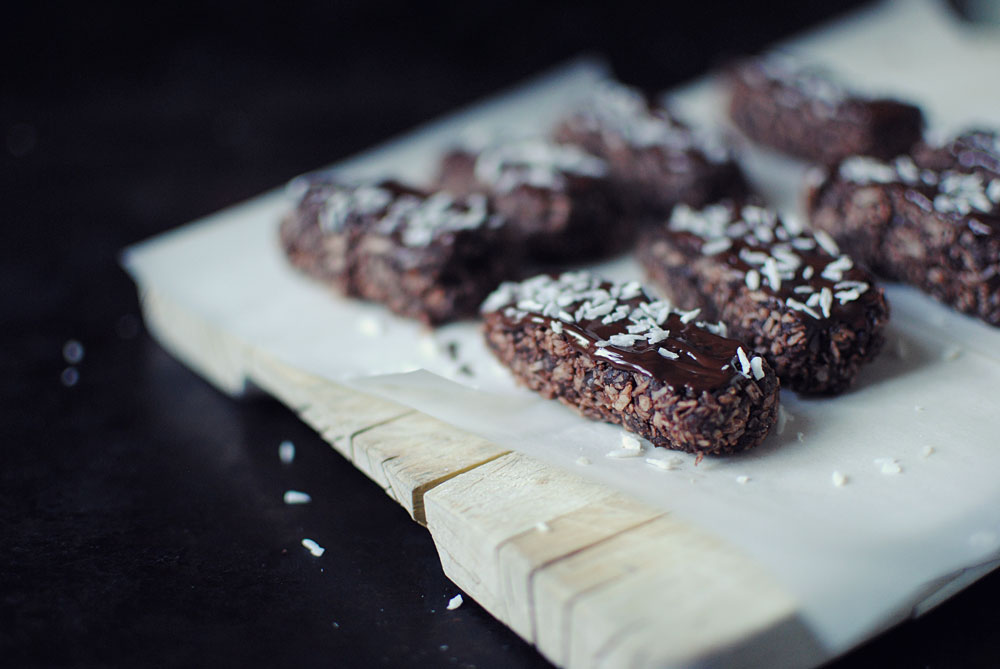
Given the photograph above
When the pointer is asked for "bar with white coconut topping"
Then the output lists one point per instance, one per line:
(798, 109)
(930, 219)
(557, 198)
(655, 160)
(793, 297)
(614, 353)
(429, 256)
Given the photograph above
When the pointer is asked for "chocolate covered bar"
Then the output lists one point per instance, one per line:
(804, 112)
(614, 353)
(792, 297)
(931, 219)
(428, 256)
(557, 198)
(655, 160)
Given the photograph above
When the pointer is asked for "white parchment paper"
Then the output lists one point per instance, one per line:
(917, 443)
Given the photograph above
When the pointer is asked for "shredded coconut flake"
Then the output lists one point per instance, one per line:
(741, 355)
(742, 480)
(993, 191)
(835, 270)
(826, 242)
(783, 418)
(771, 273)
(839, 479)
(340, 202)
(624, 340)
(662, 464)
(313, 547)
(455, 602)
(286, 452)
(688, 316)
(629, 442)
(825, 301)
(710, 248)
(888, 466)
(864, 170)
(801, 306)
(296, 497)
(845, 296)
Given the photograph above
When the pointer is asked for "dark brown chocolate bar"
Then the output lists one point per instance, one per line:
(432, 257)
(799, 303)
(930, 219)
(613, 353)
(804, 112)
(655, 160)
(557, 198)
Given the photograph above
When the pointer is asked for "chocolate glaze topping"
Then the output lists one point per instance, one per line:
(620, 324)
(805, 272)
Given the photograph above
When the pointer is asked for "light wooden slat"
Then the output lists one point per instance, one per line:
(415, 453)
(524, 555)
(214, 354)
(788, 643)
(340, 415)
(585, 582)
(681, 592)
(336, 412)
(472, 516)
(295, 388)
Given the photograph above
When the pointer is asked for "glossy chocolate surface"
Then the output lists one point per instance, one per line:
(621, 325)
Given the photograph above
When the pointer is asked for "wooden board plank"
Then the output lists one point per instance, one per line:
(523, 556)
(338, 413)
(578, 570)
(471, 516)
(415, 453)
(662, 591)
(210, 352)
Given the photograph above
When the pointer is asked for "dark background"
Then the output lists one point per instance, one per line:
(141, 520)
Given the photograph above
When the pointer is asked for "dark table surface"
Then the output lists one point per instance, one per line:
(141, 514)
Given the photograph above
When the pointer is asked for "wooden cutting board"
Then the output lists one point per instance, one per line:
(588, 575)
